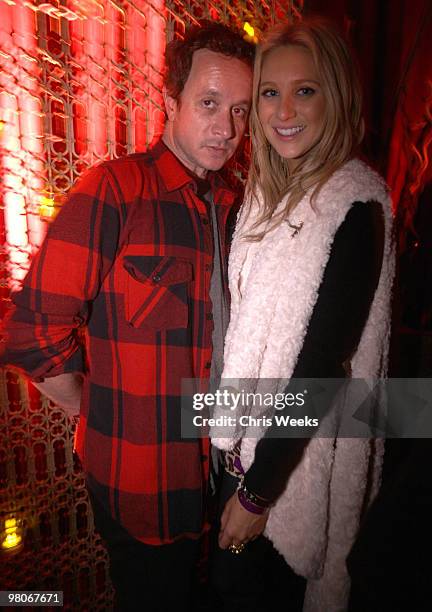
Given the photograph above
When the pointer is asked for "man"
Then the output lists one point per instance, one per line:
(132, 258)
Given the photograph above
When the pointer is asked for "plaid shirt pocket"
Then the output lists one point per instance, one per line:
(157, 291)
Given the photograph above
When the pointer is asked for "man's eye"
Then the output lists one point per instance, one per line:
(269, 93)
(239, 112)
(209, 103)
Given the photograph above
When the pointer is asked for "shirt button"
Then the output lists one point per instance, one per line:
(207, 267)
(204, 458)
(209, 316)
(156, 278)
(208, 365)
(205, 221)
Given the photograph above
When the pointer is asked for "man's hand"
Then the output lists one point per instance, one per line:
(64, 390)
(238, 525)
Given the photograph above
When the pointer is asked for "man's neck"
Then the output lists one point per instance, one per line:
(167, 140)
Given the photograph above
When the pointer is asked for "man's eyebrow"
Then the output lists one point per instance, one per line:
(217, 94)
(211, 92)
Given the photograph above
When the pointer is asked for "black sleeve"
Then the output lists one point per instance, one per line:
(340, 313)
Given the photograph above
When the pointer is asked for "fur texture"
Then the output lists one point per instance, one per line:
(315, 521)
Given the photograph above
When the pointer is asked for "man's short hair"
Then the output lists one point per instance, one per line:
(207, 35)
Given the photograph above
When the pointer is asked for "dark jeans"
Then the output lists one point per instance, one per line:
(256, 580)
(151, 578)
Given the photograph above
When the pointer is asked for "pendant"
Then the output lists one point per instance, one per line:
(296, 228)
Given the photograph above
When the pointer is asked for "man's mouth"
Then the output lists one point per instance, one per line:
(217, 149)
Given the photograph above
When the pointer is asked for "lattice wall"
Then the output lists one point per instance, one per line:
(80, 82)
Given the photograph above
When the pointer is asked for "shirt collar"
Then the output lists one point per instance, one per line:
(175, 175)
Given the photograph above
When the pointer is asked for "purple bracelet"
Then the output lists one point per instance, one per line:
(248, 505)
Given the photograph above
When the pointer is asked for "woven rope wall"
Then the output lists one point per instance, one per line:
(80, 81)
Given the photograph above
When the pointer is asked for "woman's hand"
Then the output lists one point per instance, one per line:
(238, 525)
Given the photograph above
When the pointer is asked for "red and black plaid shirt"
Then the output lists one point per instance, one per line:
(129, 257)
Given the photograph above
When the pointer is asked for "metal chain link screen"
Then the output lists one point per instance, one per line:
(80, 82)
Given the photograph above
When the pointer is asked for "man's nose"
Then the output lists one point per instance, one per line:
(223, 125)
(286, 109)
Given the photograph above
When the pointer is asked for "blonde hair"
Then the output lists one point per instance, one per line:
(342, 131)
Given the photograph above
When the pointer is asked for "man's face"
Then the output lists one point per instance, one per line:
(206, 124)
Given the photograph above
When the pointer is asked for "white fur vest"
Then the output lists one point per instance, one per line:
(315, 521)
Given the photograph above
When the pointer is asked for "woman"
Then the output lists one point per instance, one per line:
(311, 269)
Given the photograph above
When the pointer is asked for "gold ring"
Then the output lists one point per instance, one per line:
(236, 549)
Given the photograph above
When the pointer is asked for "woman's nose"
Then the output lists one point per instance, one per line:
(286, 108)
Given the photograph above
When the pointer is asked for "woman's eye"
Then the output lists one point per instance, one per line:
(306, 91)
(269, 93)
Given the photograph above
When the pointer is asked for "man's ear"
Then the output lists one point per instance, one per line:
(170, 105)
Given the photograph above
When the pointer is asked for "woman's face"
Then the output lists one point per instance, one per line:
(291, 104)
